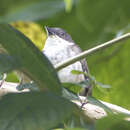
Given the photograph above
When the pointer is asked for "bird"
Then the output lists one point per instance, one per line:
(58, 47)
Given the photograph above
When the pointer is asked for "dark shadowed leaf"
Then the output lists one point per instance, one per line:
(30, 86)
(94, 101)
(74, 129)
(33, 111)
(8, 63)
(29, 10)
(79, 120)
(33, 63)
(113, 122)
(66, 93)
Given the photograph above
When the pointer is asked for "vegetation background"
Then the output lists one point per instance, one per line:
(90, 23)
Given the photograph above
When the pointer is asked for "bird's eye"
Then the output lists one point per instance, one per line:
(62, 33)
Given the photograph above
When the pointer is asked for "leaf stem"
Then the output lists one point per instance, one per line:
(91, 51)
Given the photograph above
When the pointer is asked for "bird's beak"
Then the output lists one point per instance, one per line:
(48, 31)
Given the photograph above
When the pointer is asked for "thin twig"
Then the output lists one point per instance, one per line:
(90, 51)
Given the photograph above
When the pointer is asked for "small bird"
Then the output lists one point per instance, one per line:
(59, 46)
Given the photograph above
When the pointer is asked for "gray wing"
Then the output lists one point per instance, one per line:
(77, 50)
(88, 89)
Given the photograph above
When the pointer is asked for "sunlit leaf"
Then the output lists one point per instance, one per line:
(74, 87)
(33, 31)
(68, 4)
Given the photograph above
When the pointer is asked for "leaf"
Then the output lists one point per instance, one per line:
(91, 81)
(113, 122)
(102, 28)
(69, 94)
(74, 129)
(33, 111)
(74, 87)
(77, 72)
(8, 63)
(103, 85)
(68, 5)
(33, 62)
(116, 74)
(30, 86)
(11, 77)
(79, 120)
(29, 10)
(33, 31)
(86, 27)
(94, 101)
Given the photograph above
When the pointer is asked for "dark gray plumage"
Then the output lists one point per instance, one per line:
(59, 32)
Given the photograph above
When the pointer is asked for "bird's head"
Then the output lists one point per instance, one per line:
(58, 34)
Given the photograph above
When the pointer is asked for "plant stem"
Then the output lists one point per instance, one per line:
(90, 51)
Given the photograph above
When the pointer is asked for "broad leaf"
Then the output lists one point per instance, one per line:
(113, 122)
(29, 9)
(8, 63)
(74, 87)
(33, 63)
(96, 102)
(33, 111)
(68, 4)
(30, 86)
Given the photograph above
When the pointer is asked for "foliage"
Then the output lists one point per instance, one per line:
(90, 23)
(33, 31)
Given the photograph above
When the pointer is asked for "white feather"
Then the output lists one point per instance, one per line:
(57, 50)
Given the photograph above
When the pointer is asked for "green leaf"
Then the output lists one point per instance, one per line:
(8, 63)
(74, 87)
(11, 77)
(33, 62)
(68, 5)
(86, 27)
(69, 94)
(75, 129)
(102, 28)
(30, 86)
(103, 85)
(29, 10)
(77, 72)
(92, 80)
(113, 122)
(79, 120)
(94, 101)
(33, 111)
(116, 73)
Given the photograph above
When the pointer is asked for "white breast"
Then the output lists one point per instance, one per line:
(58, 50)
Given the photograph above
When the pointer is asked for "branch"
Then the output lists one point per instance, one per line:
(91, 51)
(96, 112)
(90, 110)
